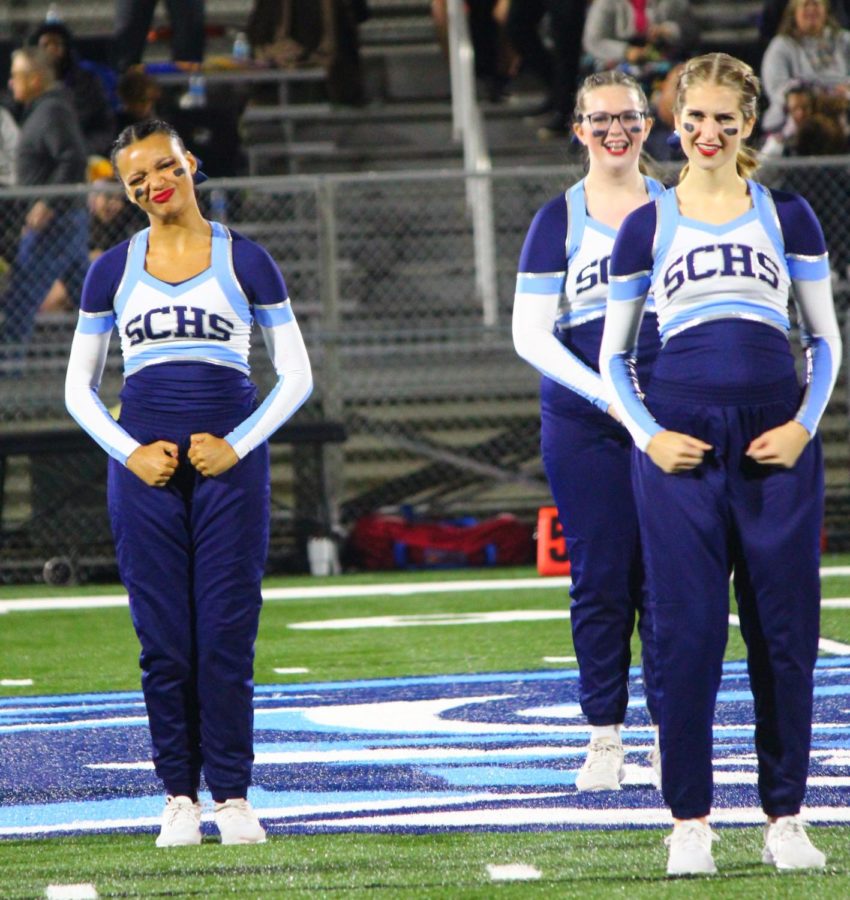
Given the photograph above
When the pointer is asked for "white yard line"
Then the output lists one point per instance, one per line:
(825, 645)
(513, 872)
(341, 591)
(338, 591)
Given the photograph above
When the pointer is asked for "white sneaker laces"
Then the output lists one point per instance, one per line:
(597, 757)
(788, 829)
(178, 809)
(234, 809)
(692, 833)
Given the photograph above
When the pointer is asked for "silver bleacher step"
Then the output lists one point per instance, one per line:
(316, 112)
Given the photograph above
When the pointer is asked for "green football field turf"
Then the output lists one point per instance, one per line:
(95, 650)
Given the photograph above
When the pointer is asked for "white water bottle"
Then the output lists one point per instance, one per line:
(241, 48)
(196, 96)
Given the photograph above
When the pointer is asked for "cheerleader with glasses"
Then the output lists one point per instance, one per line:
(558, 314)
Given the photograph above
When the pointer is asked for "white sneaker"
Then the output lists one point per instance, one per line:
(654, 760)
(787, 846)
(603, 769)
(181, 823)
(238, 823)
(690, 849)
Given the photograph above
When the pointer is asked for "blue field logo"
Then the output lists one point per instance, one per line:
(490, 751)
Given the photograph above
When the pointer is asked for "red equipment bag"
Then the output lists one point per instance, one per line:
(394, 542)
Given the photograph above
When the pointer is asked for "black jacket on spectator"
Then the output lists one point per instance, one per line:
(97, 121)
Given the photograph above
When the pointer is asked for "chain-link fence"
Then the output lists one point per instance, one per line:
(439, 411)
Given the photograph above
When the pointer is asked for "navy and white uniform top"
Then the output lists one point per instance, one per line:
(562, 283)
(700, 273)
(204, 320)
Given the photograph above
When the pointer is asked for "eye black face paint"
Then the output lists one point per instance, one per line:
(599, 132)
(689, 127)
(731, 132)
(179, 171)
(139, 193)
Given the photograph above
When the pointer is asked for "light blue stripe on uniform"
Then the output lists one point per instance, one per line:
(241, 430)
(222, 266)
(193, 351)
(769, 218)
(176, 290)
(133, 269)
(585, 314)
(624, 385)
(274, 315)
(808, 268)
(95, 324)
(751, 215)
(112, 451)
(820, 387)
(654, 188)
(576, 218)
(629, 288)
(729, 309)
(667, 221)
(540, 284)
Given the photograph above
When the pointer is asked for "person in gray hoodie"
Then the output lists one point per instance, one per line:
(50, 151)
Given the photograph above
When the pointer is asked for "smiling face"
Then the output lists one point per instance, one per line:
(614, 143)
(157, 175)
(712, 126)
(810, 16)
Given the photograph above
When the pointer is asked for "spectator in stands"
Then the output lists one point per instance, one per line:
(638, 32)
(88, 93)
(489, 42)
(51, 151)
(111, 220)
(558, 69)
(312, 32)
(822, 135)
(771, 15)
(663, 143)
(799, 106)
(9, 133)
(138, 95)
(133, 21)
(810, 46)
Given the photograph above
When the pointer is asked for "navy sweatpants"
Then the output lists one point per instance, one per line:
(191, 556)
(587, 457)
(762, 522)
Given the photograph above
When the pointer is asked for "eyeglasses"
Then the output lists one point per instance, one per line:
(628, 119)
